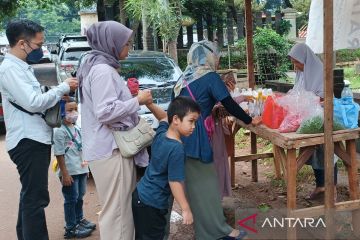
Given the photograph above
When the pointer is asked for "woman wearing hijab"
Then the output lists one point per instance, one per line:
(203, 84)
(108, 104)
(309, 75)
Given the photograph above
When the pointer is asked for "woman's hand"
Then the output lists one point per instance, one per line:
(256, 121)
(144, 97)
(187, 217)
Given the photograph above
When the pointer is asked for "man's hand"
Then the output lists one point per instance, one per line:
(73, 83)
(66, 180)
(256, 121)
(187, 217)
(144, 97)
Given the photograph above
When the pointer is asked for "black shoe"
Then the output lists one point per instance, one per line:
(77, 232)
(87, 224)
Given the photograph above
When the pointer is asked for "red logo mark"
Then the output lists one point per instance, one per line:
(242, 222)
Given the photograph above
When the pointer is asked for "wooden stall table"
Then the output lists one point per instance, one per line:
(290, 161)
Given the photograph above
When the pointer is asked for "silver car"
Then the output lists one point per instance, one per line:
(67, 61)
(154, 71)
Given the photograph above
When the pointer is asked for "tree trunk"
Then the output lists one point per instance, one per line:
(220, 31)
(230, 29)
(210, 29)
(144, 25)
(200, 29)
(180, 39)
(173, 50)
(123, 16)
(100, 6)
(190, 36)
(135, 28)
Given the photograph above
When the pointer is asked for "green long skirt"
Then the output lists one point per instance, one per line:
(203, 193)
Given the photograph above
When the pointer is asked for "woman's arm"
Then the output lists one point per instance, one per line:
(234, 109)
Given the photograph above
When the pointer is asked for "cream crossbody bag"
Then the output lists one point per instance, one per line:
(132, 141)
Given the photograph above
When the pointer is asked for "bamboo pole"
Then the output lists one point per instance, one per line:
(328, 118)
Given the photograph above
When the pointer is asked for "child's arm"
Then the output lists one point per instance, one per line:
(177, 190)
(158, 112)
(66, 178)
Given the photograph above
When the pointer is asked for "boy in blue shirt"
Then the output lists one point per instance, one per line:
(73, 174)
(166, 171)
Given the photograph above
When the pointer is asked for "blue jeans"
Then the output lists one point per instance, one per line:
(73, 204)
(320, 176)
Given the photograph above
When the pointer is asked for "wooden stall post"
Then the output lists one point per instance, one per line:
(328, 118)
(251, 76)
(291, 168)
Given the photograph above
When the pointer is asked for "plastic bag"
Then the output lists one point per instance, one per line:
(273, 114)
(299, 105)
(290, 123)
(346, 112)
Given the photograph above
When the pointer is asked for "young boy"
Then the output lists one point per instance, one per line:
(73, 174)
(165, 173)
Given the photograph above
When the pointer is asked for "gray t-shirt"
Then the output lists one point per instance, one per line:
(64, 145)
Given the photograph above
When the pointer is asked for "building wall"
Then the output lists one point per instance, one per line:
(87, 19)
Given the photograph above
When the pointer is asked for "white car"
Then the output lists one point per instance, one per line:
(67, 61)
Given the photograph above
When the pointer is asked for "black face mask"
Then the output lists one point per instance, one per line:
(35, 55)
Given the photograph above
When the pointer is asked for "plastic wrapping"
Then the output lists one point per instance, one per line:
(273, 113)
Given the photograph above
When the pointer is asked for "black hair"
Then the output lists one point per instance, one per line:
(22, 29)
(180, 106)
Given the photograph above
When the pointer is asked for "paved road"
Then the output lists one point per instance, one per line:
(10, 186)
(9, 192)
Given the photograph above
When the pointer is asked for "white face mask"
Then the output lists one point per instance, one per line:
(71, 116)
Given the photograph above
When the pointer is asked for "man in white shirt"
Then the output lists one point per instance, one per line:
(28, 137)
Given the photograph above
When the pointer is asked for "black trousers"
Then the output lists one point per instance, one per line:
(149, 222)
(32, 160)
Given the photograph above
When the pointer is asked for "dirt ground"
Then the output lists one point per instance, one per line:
(268, 197)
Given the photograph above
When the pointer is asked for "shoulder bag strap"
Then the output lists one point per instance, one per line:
(24, 110)
(72, 137)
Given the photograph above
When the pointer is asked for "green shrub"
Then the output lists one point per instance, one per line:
(347, 55)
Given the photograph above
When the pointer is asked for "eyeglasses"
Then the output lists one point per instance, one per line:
(37, 44)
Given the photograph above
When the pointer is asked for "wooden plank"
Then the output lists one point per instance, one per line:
(277, 163)
(341, 153)
(328, 118)
(254, 167)
(304, 156)
(320, 210)
(252, 157)
(294, 140)
(291, 187)
(353, 184)
(283, 160)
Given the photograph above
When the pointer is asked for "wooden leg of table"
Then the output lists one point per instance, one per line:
(232, 171)
(277, 162)
(254, 170)
(291, 187)
(353, 183)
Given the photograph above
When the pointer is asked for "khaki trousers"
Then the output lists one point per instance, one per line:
(115, 180)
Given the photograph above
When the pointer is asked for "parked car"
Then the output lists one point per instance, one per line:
(154, 71)
(68, 59)
(47, 55)
(68, 39)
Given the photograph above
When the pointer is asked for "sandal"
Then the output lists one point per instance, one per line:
(241, 235)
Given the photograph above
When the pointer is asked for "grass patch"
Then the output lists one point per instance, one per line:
(352, 76)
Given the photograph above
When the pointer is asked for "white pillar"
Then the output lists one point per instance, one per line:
(290, 16)
(87, 18)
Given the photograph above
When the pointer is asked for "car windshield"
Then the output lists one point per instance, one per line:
(157, 74)
(73, 54)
